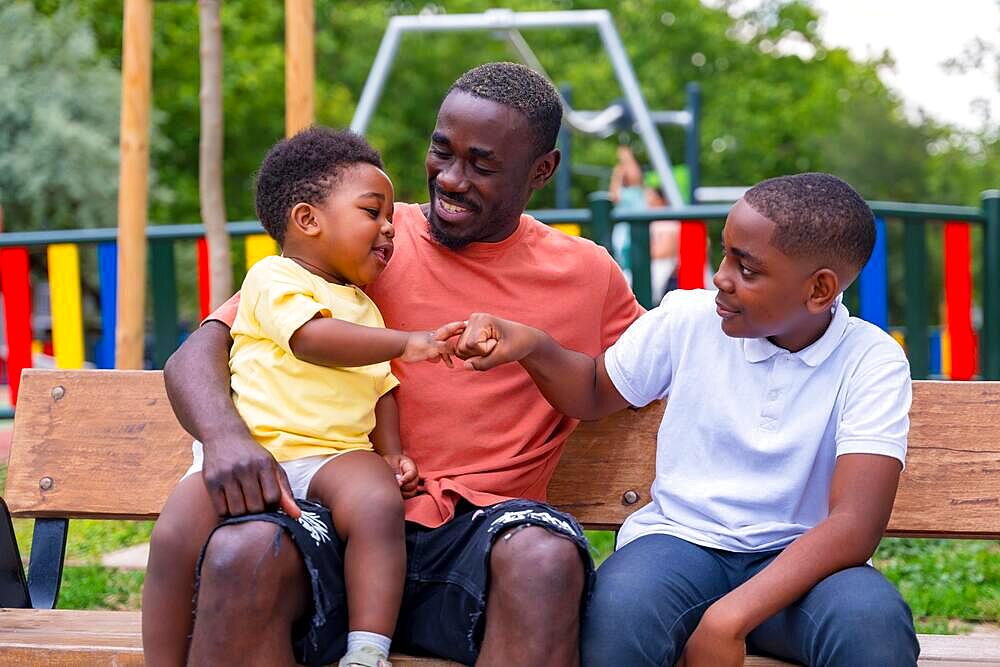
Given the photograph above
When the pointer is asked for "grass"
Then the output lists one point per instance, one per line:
(85, 584)
(949, 584)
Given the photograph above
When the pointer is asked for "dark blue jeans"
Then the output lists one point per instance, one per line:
(650, 596)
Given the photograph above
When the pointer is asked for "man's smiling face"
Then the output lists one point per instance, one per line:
(478, 170)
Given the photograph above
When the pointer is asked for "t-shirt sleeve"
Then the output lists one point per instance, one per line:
(620, 307)
(280, 302)
(875, 418)
(638, 364)
(226, 313)
(390, 383)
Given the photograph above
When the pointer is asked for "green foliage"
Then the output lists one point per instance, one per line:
(59, 114)
(944, 579)
(94, 587)
(776, 98)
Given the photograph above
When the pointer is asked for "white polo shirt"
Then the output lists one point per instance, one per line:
(747, 446)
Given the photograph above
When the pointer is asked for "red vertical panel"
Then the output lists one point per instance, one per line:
(958, 299)
(204, 289)
(693, 246)
(14, 283)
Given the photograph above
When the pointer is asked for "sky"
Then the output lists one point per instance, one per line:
(921, 35)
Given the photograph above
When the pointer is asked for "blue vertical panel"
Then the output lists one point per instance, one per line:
(873, 283)
(934, 363)
(107, 265)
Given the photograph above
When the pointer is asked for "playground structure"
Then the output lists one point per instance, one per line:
(123, 252)
(634, 113)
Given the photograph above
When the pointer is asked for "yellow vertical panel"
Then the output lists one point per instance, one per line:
(946, 354)
(568, 228)
(259, 246)
(898, 337)
(64, 294)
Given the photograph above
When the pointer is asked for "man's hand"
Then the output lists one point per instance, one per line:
(406, 473)
(716, 642)
(432, 345)
(243, 478)
(489, 341)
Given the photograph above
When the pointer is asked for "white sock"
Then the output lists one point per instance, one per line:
(358, 638)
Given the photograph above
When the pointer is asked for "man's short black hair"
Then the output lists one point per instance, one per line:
(816, 215)
(304, 168)
(521, 89)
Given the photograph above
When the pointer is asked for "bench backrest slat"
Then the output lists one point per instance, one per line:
(950, 488)
(112, 449)
(105, 443)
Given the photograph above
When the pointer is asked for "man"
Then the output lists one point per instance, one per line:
(494, 576)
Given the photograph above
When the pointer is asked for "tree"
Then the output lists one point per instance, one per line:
(59, 114)
(213, 204)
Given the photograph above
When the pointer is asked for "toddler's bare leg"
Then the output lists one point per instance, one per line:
(362, 493)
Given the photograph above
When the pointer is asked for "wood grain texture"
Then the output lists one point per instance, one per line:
(110, 445)
(950, 488)
(112, 448)
(133, 180)
(67, 638)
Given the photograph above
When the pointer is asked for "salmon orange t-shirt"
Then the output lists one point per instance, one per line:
(491, 436)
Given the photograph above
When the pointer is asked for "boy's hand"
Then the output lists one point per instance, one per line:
(432, 345)
(714, 643)
(489, 341)
(406, 473)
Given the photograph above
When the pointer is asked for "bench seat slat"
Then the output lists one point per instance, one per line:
(67, 637)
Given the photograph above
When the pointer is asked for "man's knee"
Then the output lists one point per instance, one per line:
(259, 552)
(532, 560)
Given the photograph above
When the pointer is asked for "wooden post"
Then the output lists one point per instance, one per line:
(133, 176)
(299, 66)
(210, 187)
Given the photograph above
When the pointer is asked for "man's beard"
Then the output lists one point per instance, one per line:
(443, 238)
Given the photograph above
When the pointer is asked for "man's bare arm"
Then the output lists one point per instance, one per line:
(241, 476)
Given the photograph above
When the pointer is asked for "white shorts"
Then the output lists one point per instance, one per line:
(300, 471)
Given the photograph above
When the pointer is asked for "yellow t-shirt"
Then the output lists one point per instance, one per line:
(294, 408)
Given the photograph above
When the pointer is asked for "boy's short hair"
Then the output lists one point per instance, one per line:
(519, 88)
(305, 168)
(816, 215)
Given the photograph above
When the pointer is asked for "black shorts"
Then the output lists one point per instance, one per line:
(447, 577)
(320, 637)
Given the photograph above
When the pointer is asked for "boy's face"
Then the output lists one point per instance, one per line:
(764, 293)
(481, 170)
(354, 223)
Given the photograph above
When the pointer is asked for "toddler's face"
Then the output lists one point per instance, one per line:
(356, 225)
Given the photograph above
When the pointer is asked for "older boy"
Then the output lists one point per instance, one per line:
(483, 584)
(777, 459)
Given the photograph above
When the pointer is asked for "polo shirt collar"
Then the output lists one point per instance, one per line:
(760, 349)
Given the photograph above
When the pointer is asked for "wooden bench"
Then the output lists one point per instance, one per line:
(105, 444)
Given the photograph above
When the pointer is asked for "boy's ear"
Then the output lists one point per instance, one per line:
(825, 288)
(303, 218)
(544, 168)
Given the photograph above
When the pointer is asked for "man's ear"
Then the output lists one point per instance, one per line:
(544, 168)
(825, 288)
(303, 218)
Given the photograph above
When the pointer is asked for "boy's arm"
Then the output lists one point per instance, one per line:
(328, 341)
(861, 495)
(574, 383)
(385, 439)
(241, 476)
